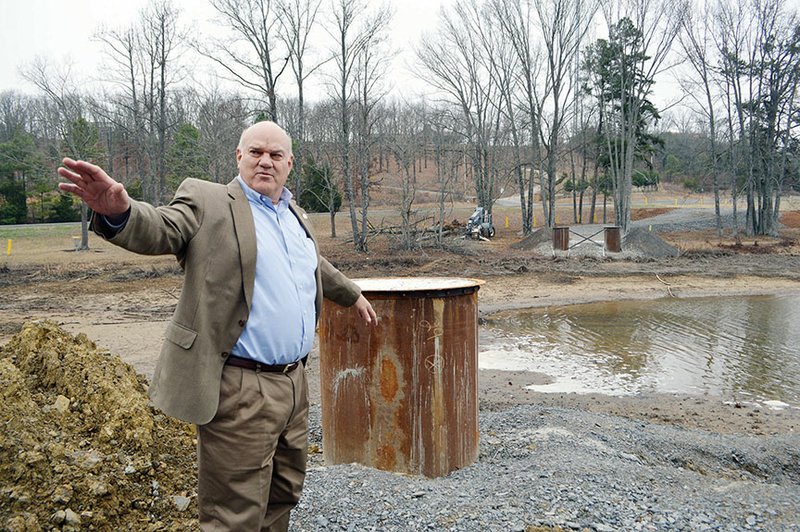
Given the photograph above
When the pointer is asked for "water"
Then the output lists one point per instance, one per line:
(742, 348)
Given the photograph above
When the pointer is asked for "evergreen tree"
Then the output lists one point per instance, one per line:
(186, 157)
(320, 193)
(64, 210)
(19, 162)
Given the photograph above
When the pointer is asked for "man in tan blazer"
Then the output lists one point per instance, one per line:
(235, 348)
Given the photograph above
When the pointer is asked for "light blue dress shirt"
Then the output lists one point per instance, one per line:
(280, 329)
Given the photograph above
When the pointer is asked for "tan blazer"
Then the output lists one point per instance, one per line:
(209, 228)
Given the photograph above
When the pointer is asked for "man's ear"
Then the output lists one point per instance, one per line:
(238, 155)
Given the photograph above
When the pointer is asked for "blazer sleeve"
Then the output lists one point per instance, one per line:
(336, 286)
(159, 230)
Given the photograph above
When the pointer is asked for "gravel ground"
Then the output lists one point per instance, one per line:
(688, 219)
(567, 469)
(551, 468)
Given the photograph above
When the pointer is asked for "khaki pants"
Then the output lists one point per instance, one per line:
(252, 455)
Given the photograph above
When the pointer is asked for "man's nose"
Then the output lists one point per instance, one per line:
(265, 160)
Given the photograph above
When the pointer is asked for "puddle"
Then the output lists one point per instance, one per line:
(742, 347)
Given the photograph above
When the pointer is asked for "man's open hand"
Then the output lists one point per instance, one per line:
(94, 186)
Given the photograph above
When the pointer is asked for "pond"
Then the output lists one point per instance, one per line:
(741, 348)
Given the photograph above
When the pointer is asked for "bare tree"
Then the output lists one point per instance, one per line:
(125, 109)
(162, 40)
(250, 56)
(760, 49)
(324, 129)
(505, 68)
(774, 108)
(370, 71)
(456, 63)
(516, 20)
(67, 119)
(564, 24)
(15, 114)
(221, 118)
(354, 32)
(696, 41)
(297, 19)
(405, 142)
(582, 152)
(143, 63)
(446, 156)
(733, 23)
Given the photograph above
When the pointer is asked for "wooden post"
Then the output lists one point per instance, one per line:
(561, 238)
(613, 239)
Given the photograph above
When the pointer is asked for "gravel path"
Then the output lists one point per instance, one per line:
(551, 467)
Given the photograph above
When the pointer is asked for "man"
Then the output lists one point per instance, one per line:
(235, 348)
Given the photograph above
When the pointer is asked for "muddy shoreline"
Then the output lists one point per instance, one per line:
(125, 310)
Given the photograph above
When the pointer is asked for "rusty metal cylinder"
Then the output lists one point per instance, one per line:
(402, 395)
(561, 238)
(613, 238)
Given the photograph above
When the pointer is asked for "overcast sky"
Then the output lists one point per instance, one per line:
(62, 30)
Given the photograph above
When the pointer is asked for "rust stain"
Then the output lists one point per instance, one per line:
(348, 333)
(389, 384)
(386, 459)
(401, 422)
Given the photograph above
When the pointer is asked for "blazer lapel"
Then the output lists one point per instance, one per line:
(245, 229)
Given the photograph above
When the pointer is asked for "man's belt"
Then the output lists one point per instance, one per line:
(247, 363)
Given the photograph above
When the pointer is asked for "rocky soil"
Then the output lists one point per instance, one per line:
(548, 468)
(81, 449)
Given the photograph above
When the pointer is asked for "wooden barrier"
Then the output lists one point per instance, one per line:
(613, 238)
(561, 238)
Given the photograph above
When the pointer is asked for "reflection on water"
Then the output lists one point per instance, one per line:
(735, 347)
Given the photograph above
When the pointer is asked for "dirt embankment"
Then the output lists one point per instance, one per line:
(80, 447)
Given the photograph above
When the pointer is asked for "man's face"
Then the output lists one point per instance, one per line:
(265, 159)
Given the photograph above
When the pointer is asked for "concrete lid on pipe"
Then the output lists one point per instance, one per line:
(418, 286)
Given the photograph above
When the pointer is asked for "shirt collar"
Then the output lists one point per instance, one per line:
(261, 199)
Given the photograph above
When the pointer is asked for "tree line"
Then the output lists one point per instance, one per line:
(521, 96)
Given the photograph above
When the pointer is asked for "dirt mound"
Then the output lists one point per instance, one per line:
(647, 244)
(81, 447)
(535, 239)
